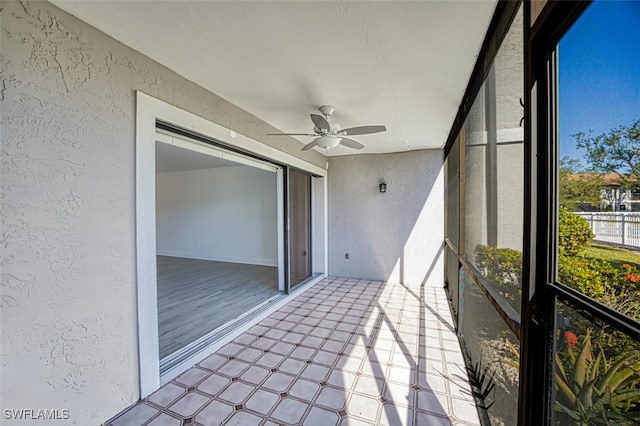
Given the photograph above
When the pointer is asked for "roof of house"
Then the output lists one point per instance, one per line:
(610, 179)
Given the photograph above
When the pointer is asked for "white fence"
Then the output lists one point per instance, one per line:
(615, 227)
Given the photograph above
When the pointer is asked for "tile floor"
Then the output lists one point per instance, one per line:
(344, 352)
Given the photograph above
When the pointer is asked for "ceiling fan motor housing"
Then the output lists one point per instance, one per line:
(326, 110)
(335, 128)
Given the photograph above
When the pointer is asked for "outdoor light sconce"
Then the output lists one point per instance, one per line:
(383, 187)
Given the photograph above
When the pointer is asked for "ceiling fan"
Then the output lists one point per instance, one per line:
(330, 135)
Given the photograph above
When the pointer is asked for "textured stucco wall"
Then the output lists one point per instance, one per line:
(68, 295)
(475, 189)
(509, 71)
(509, 190)
(396, 236)
(510, 196)
(509, 65)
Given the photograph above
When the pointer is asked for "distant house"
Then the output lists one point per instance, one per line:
(617, 199)
(612, 196)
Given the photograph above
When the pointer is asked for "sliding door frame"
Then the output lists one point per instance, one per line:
(150, 111)
(541, 138)
(309, 225)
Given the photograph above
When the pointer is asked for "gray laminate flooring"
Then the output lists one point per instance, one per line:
(198, 296)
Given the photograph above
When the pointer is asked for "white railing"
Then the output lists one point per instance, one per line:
(615, 227)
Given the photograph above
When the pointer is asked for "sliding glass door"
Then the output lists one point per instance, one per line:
(585, 298)
(299, 203)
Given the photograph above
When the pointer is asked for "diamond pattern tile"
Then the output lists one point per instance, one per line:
(167, 394)
(192, 376)
(214, 413)
(290, 411)
(136, 415)
(214, 361)
(321, 417)
(364, 407)
(369, 386)
(278, 382)
(165, 420)
(262, 401)
(237, 392)
(233, 368)
(304, 389)
(316, 373)
(189, 404)
(394, 415)
(242, 418)
(332, 398)
(249, 355)
(344, 351)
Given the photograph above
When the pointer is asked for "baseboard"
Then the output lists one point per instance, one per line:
(230, 259)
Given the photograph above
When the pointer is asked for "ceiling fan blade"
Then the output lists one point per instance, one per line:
(291, 134)
(310, 145)
(320, 122)
(351, 143)
(362, 130)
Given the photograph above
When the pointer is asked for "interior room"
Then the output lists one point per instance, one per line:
(217, 254)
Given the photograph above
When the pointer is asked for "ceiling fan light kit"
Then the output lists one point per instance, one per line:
(330, 135)
(327, 141)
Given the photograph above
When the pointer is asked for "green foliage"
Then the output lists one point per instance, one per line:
(502, 267)
(616, 256)
(589, 276)
(617, 287)
(614, 287)
(596, 390)
(597, 376)
(617, 151)
(578, 190)
(574, 233)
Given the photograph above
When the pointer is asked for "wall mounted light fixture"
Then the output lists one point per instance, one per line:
(383, 186)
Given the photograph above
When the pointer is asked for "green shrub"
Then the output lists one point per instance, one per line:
(574, 233)
(589, 276)
(597, 375)
(618, 288)
(502, 267)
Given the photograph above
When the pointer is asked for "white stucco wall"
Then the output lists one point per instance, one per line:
(510, 196)
(226, 214)
(68, 294)
(396, 236)
(509, 67)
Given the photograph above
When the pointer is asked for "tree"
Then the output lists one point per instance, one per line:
(617, 152)
(578, 190)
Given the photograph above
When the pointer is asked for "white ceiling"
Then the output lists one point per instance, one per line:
(404, 64)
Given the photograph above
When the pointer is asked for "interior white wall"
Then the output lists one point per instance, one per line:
(226, 214)
(69, 325)
(396, 236)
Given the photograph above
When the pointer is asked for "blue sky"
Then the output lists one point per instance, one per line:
(599, 67)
